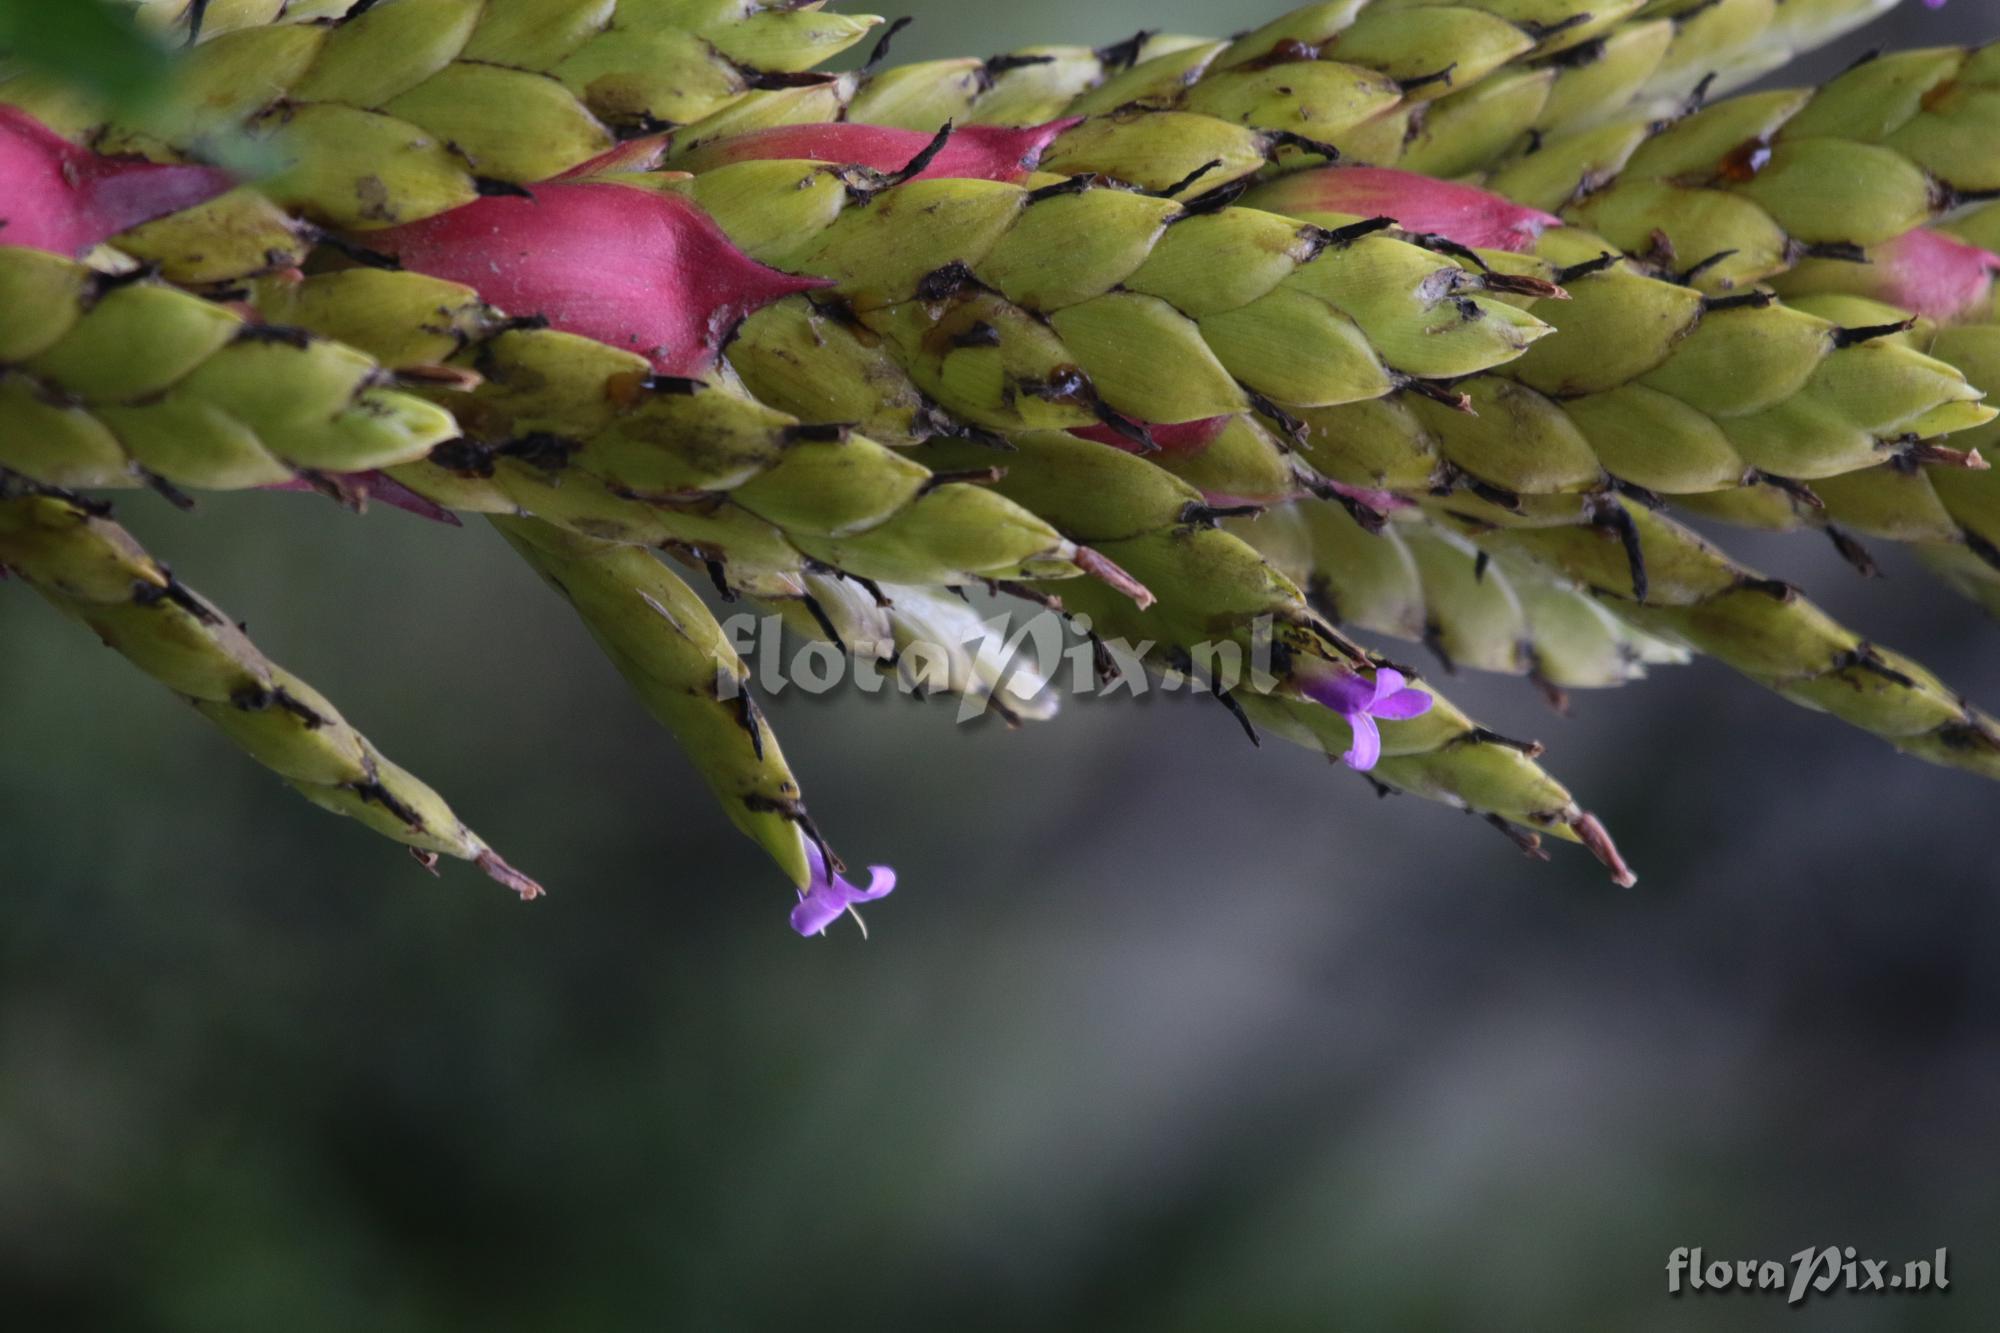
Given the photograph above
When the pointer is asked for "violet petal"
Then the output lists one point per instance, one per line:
(1402, 706)
(1367, 751)
(1343, 691)
(829, 895)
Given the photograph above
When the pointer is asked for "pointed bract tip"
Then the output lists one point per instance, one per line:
(1381, 502)
(1591, 831)
(358, 488)
(501, 873)
(1105, 570)
(634, 155)
(65, 199)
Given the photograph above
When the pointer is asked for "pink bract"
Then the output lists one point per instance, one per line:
(1463, 214)
(1186, 439)
(1931, 274)
(630, 266)
(59, 197)
(380, 488)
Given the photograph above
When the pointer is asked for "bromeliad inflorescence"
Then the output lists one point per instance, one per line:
(1384, 318)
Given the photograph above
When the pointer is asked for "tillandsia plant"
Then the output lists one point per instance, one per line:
(1398, 317)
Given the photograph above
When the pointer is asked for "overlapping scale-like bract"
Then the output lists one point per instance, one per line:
(1648, 382)
(124, 381)
(362, 116)
(1744, 189)
(1697, 596)
(1019, 308)
(1414, 580)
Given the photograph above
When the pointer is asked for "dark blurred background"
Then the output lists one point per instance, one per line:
(1160, 1033)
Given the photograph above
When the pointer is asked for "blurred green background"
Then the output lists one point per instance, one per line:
(1160, 1032)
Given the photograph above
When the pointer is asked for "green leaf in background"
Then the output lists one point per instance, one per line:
(86, 43)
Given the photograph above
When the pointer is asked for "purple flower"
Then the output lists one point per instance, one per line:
(828, 896)
(1361, 701)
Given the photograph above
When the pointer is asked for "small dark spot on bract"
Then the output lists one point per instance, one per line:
(374, 197)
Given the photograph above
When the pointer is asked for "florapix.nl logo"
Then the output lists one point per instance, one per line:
(997, 663)
(1810, 1272)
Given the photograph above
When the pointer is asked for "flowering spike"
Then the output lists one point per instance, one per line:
(1462, 214)
(94, 572)
(66, 199)
(975, 152)
(1763, 628)
(641, 270)
(678, 659)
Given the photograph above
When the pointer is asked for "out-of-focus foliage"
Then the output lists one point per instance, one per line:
(84, 42)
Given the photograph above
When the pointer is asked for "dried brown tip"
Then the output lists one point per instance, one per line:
(1598, 840)
(1520, 284)
(1554, 695)
(452, 379)
(1529, 843)
(1444, 394)
(502, 873)
(1104, 570)
(1938, 455)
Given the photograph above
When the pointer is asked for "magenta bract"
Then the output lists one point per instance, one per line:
(57, 196)
(359, 488)
(630, 266)
(1185, 439)
(1463, 214)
